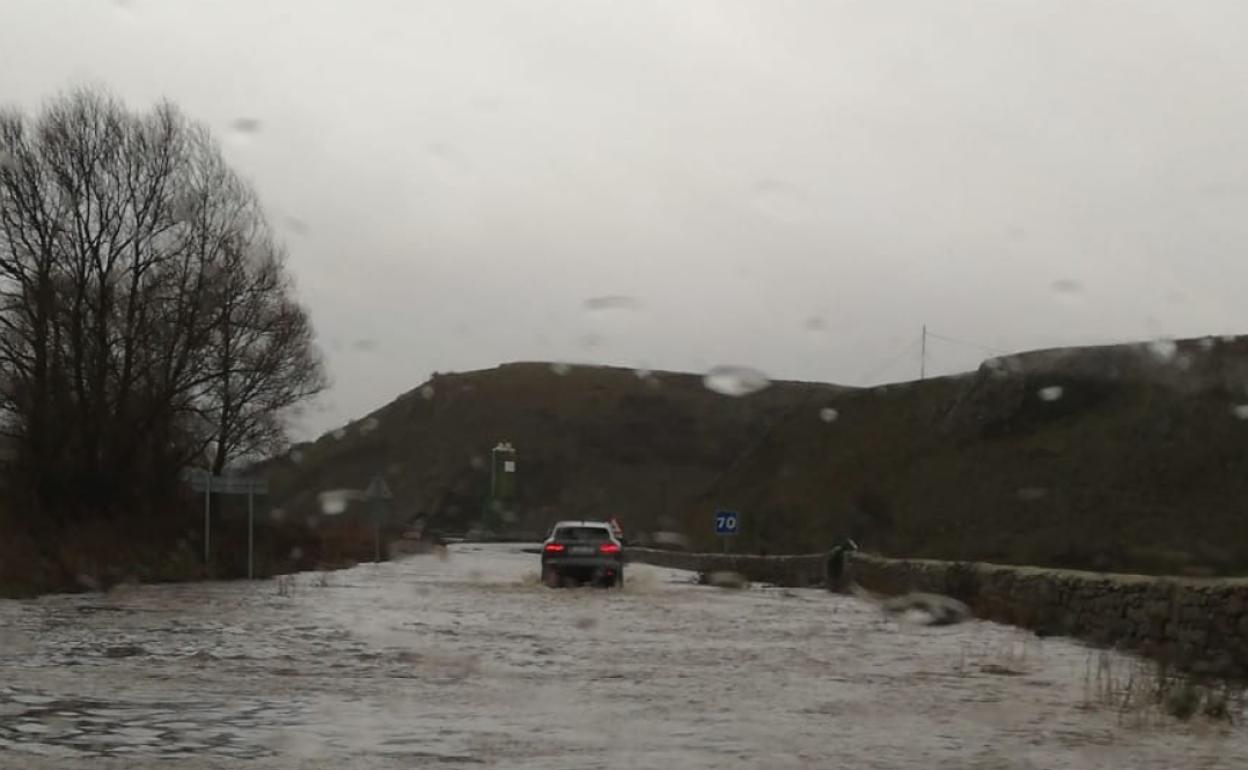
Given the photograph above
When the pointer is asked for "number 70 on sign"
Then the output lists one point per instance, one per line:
(727, 522)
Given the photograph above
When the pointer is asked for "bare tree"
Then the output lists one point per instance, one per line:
(145, 313)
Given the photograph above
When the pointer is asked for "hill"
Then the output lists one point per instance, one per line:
(591, 442)
(1124, 458)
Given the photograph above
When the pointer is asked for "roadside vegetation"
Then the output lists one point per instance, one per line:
(148, 325)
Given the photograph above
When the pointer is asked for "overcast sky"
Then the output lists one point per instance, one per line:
(795, 186)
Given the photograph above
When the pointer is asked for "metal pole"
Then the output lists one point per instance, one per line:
(251, 537)
(207, 516)
(923, 355)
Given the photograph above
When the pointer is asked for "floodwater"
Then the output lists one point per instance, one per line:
(469, 662)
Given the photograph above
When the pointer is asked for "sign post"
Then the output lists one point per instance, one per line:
(229, 485)
(379, 492)
(727, 524)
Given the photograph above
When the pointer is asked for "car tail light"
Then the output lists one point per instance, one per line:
(553, 548)
(609, 548)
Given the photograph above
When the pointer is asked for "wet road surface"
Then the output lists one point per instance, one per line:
(469, 662)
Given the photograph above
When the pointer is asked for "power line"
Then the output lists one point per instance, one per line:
(968, 343)
(909, 349)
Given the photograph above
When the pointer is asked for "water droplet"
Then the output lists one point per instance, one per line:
(296, 225)
(828, 414)
(427, 393)
(643, 374)
(296, 456)
(1067, 286)
(364, 346)
(246, 125)
(591, 340)
(509, 517)
(1207, 343)
(735, 381)
(1240, 411)
(8, 162)
(585, 623)
(335, 501)
(1031, 494)
(341, 433)
(1228, 338)
(560, 369)
(1163, 350)
(815, 324)
(296, 553)
(612, 302)
(477, 462)
(1051, 393)
(277, 515)
(369, 425)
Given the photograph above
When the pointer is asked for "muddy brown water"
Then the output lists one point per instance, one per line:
(469, 662)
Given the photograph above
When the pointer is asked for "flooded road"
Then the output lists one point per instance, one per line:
(469, 662)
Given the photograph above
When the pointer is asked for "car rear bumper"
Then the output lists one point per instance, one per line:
(583, 563)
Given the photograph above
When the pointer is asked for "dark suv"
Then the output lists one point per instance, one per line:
(582, 552)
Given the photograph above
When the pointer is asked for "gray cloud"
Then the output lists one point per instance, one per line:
(797, 186)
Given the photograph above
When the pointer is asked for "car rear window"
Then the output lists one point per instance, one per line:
(583, 534)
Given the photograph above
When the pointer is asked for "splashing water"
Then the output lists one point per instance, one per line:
(735, 381)
(1051, 393)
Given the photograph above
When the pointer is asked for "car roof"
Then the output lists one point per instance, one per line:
(582, 523)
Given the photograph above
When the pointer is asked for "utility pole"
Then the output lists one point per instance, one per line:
(923, 355)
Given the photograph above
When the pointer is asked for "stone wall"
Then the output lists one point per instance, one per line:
(800, 571)
(1197, 624)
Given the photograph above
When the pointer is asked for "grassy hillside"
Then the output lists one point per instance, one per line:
(1130, 458)
(591, 442)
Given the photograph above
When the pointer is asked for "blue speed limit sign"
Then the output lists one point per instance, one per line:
(727, 522)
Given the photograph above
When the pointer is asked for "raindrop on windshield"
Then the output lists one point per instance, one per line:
(1067, 286)
(815, 324)
(296, 456)
(277, 515)
(1240, 411)
(612, 302)
(1051, 393)
(1031, 494)
(334, 501)
(1163, 350)
(1208, 343)
(369, 425)
(560, 369)
(296, 225)
(427, 392)
(7, 161)
(246, 125)
(735, 381)
(828, 414)
(477, 462)
(643, 374)
(364, 345)
(341, 433)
